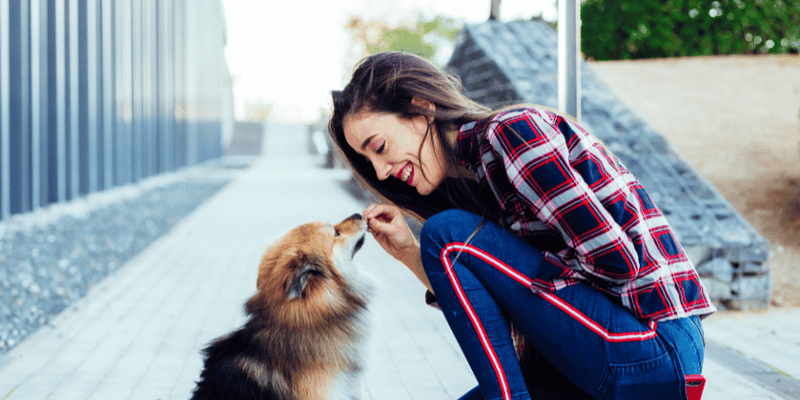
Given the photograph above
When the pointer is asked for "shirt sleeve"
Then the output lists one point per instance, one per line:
(541, 154)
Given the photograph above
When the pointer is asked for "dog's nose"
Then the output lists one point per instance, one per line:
(355, 216)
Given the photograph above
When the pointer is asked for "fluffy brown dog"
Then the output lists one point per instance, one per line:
(306, 322)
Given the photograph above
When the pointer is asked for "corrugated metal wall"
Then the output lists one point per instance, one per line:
(100, 93)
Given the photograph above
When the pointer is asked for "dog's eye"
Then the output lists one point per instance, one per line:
(335, 232)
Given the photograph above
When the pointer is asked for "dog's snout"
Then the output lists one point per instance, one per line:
(355, 216)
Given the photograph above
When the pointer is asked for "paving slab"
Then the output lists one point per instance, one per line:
(724, 384)
(763, 347)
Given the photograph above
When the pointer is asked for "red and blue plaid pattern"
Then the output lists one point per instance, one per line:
(558, 187)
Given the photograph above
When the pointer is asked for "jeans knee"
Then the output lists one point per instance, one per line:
(447, 227)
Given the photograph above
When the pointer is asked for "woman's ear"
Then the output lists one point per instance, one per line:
(423, 103)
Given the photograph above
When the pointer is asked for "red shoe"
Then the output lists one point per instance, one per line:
(694, 386)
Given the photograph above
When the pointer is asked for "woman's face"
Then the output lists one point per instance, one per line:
(392, 145)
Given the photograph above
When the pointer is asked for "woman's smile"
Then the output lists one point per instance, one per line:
(406, 174)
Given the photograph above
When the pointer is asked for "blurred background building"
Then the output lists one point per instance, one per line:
(101, 93)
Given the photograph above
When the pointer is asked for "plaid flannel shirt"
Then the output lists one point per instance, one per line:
(556, 186)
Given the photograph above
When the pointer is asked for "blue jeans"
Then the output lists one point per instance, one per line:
(594, 341)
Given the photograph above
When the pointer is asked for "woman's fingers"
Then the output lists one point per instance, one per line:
(383, 213)
(389, 228)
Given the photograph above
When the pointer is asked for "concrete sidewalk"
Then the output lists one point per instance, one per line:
(139, 333)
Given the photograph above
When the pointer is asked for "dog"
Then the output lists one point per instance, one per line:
(307, 322)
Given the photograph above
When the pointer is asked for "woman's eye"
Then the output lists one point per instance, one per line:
(380, 149)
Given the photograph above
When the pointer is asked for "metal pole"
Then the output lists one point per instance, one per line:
(148, 78)
(61, 100)
(36, 93)
(93, 87)
(569, 45)
(137, 99)
(124, 89)
(192, 92)
(5, 111)
(166, 111)
(108, 93)
(74, 102)
(181, 124)
(24, 134)
(40, 103)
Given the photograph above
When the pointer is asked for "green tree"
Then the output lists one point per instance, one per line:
(630, 29)
(425, 37)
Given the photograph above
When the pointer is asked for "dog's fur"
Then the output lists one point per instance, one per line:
(306, 324)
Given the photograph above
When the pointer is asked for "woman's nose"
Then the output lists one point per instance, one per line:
(383, 170)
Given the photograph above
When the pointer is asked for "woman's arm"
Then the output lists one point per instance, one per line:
(541, 154)
(390, 230)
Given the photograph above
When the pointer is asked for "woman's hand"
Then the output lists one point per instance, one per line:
(390, 230)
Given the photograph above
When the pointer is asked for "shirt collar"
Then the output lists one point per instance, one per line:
(468, 148)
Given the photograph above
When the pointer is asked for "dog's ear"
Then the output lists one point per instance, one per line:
(297, 285)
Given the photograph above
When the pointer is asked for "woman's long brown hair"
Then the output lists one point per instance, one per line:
(387, 82)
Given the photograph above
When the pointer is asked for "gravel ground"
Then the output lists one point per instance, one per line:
(54, 256)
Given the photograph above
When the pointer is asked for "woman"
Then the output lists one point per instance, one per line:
(530, 223)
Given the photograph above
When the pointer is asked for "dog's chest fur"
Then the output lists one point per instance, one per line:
(329, 363)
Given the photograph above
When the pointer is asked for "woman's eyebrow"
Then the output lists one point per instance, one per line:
(366, 142)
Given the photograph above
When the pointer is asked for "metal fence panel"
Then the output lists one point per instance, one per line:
(100, 93)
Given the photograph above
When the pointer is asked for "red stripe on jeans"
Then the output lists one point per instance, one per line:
(476, 322)
(550, 297)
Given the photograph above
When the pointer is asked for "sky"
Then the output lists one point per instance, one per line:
(292, 53)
